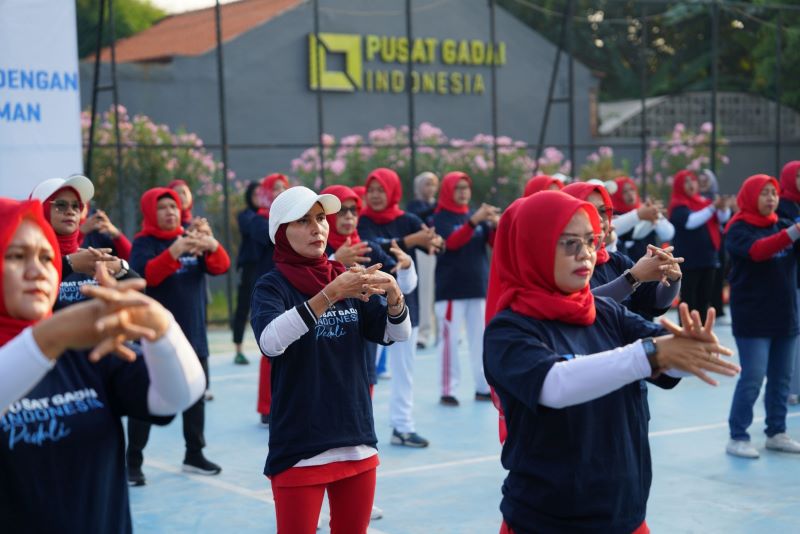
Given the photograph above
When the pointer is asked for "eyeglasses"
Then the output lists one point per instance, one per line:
(603, 212)
(351, 210)
(62, 206)
(574, 245)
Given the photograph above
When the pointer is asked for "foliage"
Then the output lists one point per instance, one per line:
(600, 165)
(145, 165)
(130, 17)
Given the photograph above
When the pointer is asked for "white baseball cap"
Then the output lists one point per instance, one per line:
(79, 183)
(295, 202)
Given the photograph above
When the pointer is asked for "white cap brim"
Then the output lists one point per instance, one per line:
(79, 183)
(295, 202)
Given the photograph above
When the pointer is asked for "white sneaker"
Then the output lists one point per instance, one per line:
(793, 400)
(742, 449)
(783, 443)
(377, 513)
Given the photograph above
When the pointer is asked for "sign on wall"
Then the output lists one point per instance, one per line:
(40, 128)
(378, 63)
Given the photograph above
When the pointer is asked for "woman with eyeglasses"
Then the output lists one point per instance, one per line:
(64, 201)
(383, 221)
(62, 464)
(697, 237)
(647, 287)
(566, 367)
(462, 273)
(763, 251)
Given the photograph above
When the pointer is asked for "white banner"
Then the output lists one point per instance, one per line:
(40, 123)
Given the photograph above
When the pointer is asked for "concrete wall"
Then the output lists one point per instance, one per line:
(268, 99)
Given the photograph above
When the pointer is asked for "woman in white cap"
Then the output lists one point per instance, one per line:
(311, 317)
(63, 201)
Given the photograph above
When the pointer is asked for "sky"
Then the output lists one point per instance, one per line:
(178, 6)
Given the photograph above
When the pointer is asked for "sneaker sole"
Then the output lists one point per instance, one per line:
(400, 442)
(137, 483)
(745, 456)
(199, 471)
(779, 449)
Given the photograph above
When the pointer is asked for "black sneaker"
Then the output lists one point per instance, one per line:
(409, 439)
(199, 465)
(265, 420)
(136, 477)
(483, 396)
(448, 400)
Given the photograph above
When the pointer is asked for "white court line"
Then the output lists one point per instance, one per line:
(236, 376)
(496, 457)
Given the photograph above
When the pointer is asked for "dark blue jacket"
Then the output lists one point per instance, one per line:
(790, 211)
(62, 448)
(462, 273)
(263, 247)
(404, 225)
(584, 468)
(694, 246)
(320, 384)
(184, 293)
(763, 293)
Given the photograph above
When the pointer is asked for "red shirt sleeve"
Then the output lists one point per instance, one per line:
(123, 247)
(492, 233)
(460, 237)
(159, 268)
(766, 247)
(218, 262)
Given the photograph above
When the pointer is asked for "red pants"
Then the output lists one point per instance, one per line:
(264, 386)
(297, 507)
(643, 529)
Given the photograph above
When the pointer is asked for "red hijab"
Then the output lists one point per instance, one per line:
(747, 200)
(789, 181)
(448, 191)
(12, 212)
(541, 182)
(618, 198)
(307, 275)
(694, 203)
(342, 192)
(67, 244)
(265, 193)
(581, 191)
(149, 205)
(525, 282)
(186, 211)
(394, 192)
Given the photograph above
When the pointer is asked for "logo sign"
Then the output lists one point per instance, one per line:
(378, 64)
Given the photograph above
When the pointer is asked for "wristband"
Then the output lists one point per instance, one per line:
(330, 304)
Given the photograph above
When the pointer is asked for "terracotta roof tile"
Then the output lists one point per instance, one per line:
(193, 33)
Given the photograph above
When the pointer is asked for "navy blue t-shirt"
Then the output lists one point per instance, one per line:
(422, 209)
(790, 211)
(320, 384)
(406, 224)
(249, 250)
(376, 255)
(62, 448)
(584, 468)
(636, 248)
(642, 300)
(763, 293)
(694, 246)
(263, 247)
(69, 290)
(183, 293)
(462, 273)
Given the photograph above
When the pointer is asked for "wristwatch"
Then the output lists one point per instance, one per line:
(124, 269)
(651, 351)
(631, 279)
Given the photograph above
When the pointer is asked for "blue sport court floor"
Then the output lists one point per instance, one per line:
(454, 485)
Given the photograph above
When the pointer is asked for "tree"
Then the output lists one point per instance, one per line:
(130, 17)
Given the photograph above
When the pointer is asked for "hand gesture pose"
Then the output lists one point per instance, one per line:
(657, 265)
(403, 259)
(117, 312)
(487, 213)
(694, 348)
(85, 259)
(649, 211)
(350, 254)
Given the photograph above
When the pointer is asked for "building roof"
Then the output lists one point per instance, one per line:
(194, 33)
